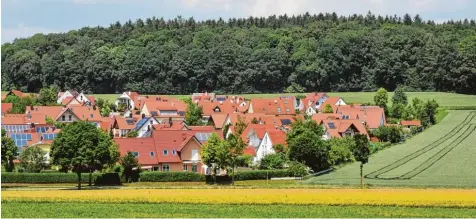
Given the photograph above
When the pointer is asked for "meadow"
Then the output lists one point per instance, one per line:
(441, 156)
(240, 203)
(444, 99)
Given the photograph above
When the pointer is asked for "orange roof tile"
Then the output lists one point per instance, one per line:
(6, 107)
(372, 116)
(277, 137)
(272, 106)
(219, 120)
(141, 145)
(342, 125)
(410, 123)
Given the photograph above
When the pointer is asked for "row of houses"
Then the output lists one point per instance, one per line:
(165, 143)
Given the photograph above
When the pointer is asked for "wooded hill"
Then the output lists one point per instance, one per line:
(321, 52)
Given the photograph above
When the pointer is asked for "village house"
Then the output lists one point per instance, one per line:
(311, 103)
(73, 98)
(271, 138)
(334, 102)
(272, 106)
(13, 93)
(371, 116)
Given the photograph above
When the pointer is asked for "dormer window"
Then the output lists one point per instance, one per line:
(70, 117)
(287, 109)
(152, 154)
(279, 110)
(174, 152)
(63, 118)
(166, 152)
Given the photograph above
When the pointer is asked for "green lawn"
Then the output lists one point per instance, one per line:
(85, 210)
(444, 99)
(441, 156)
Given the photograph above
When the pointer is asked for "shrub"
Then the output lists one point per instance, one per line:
(297, 169)
(44, 177)
(261, 174)
(378, 146)
(171, 177)
(244, 161)
(388, 133)
(108, 179)
(341, 150)
(272, 161)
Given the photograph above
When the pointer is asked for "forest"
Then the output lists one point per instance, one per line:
(302, 53)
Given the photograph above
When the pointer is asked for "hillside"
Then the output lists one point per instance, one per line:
(322, 52)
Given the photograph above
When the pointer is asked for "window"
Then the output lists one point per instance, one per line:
(166, 152)
(136, 154)
(185, 167)
(287, 109)
(152, 154)
(279, 110)
(155, 168)
(173, 152)
(63, 118)
(194, 168)
(165, 168)
(70, 117)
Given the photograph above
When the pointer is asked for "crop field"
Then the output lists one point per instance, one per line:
(444, 99)
(241, 203)
(442, 156)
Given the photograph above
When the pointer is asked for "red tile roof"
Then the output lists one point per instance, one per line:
(410, 123)
(342, 125)
(277, 137)
(370, 115)
(201, 128)
(120, 123)
(250, 150)
(17, 93)
(219, 120)
(321, 116)
(6, 107)
(272, 106)
(332, 101)
(18, 119)
(142, 145)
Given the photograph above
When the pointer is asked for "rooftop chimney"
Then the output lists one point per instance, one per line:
(29, 115)
(275, 101)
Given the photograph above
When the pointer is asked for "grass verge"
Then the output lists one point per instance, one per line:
(89, 210)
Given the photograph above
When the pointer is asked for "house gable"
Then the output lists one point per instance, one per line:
(190, 150)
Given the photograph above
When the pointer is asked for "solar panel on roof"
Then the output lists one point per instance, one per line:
(221, 98)
(140, 123)
(181, 113)
(285, 121)
(130, 121)
(49, 136)
(153, 113)
(331, 125)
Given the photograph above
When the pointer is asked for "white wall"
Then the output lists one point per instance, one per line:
(265, 148)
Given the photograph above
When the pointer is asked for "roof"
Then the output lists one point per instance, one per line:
(219, 120)
(410, 123)
(250, 150)
(83, 113)
(16, 93)
(4, 95)
(50, 111)
(121, 123)
(273, 106)
(223, 105)
(18, 119)
(201, 128)
(6, 107)
(176, 125)
(332, 101)
(277, 136)
(141, 145)
(315, 95)
(371, 115)
(335, 127)
(321, 116)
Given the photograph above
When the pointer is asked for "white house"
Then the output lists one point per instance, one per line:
(271, 138)
(66, 94)
(145, 125)
(127, 98)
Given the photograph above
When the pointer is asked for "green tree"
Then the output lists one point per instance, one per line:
(399, 97)
(194, 114)
(305, 144)
(128, 162)
(295, 88)
(272, 161)
(236, 144)
(398, 110)
(47, 96)
(33, 159)
(9, 152)
(341, 150)
(209, 150)
(381, 99)
(49, 120)
(361, 152)
(18, 106)
(105, 111)
(328, 109)
(390, 134)
(82, 147)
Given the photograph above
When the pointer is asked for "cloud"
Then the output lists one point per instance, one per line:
(225, 5)
(93, 2)
(22, 31)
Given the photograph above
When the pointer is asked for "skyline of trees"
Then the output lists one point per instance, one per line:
(320, 52)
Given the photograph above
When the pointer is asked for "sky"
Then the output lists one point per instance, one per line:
(24, 18)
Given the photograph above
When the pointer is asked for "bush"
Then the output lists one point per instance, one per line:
(388, 133)
(108, 179)
(297, 169)
(261, 174)
(272, 161)
(171, 177)
(244, 161)
(378, 146)
(45, 177)
(341, 151)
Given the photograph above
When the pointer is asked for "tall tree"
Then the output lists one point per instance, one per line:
(236, 144)
(82, 147)
(9, 152)
(193, 115)
(399, 96)
(128, 162)
(361, 152)
(381, 99)
(328, 109)
(33, 159)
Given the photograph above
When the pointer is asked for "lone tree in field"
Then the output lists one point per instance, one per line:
(128, 162)
(81, 147)
(328, 109)
(381, 99)
(361, 151)
(33, 159)
(9, 152)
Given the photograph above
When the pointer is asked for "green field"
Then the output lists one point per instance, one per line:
(85, 210)
(442, 156)
(444, 99)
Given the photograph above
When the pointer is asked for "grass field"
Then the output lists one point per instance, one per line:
(444, 99)
(93, 210)
(441, 156)
(241, 203)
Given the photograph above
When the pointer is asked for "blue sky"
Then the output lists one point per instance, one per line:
(23, 18)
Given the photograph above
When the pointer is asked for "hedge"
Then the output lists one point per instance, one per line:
(261, 174)
(98, 179)
(171, 177)
(45, 177)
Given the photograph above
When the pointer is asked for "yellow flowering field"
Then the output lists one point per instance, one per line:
(376, 197)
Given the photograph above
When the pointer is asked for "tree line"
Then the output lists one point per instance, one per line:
(324, 52)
